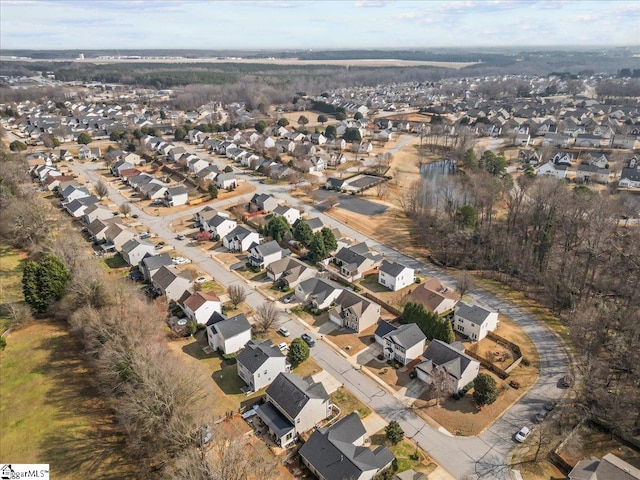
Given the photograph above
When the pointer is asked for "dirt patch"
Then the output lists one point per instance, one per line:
(352, 343)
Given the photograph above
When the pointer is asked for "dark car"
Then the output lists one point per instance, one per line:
(308, 339)
(135, 215)
(566, 381)
(541, 415)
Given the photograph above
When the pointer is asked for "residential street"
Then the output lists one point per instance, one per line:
(483, 456)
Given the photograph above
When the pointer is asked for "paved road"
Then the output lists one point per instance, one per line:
(476, 457)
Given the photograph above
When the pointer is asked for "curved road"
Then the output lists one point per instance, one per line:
(483, 456)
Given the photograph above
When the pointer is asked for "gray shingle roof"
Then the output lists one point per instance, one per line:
(406, 335)
(291, 393)
(392, 268)
(384, 328)
(333, 455)
(473, 313)
(254, 354)
(439, 354)
(267, 248)
(229, 327)
(157, 261)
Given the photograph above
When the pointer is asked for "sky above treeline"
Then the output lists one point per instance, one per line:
(297, 24)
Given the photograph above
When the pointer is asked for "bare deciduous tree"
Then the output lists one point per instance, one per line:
(125, 209)
(463, 283)
(237, 294)
(267, 317)
(101, 189)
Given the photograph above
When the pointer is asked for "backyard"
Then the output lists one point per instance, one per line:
(10, 281)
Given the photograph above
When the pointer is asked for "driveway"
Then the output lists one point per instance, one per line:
(484, 456)
(352, 203)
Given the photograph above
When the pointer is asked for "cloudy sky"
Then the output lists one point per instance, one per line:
(296, 24)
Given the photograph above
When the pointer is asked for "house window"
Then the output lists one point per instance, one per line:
(265, 372)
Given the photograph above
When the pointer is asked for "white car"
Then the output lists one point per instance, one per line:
(522, 434)
(180, 261)
(283, 346)
(284, 332)
(201, 280)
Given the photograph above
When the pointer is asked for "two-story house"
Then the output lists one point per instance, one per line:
(175, 196)
(354, 311)
(228, 335)
(435, 297)
(134, 250)
(294, 405)
(355, 260)
(172, 282)
(200, 306)
(319, 292)
(474, 321)
(403, 344)
(264, 202)
(261, 256)
(259, 363)
(337, 452)
(395, 276)
(241, 239)
(150, 265)
(289, 272)
(290, 214)
(449, 360)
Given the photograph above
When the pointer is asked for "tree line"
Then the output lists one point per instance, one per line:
(566, 246)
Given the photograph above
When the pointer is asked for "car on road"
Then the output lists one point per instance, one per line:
(289, 298)
(201, 280)
(283, 346)
(550, 405)
(566, 381)
(180, 236)
(522, 434)
(541, 415)
(308, 339)
(284, 331)
(135, 215)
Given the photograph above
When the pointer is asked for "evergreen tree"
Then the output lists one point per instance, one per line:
(317, 249)
(330, 243)
(485, 390)
(277, 228)
(298, 352)
(302, 233)
(44, 283)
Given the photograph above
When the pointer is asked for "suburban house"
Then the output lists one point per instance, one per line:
(552, 170)
(260, 363)
(77, 207)
(119, 166)
(116, 236)
(289, 271)
(294, 405)
(200, 306)
(171, 282)
(315, 224)
(264, 202)
(354, 311)
(338, 452)
(175, 196)
(228, 334)
(226, 180)
(435, 297)
(625, 141)
(150, 265)
(134, 250)
(440, 357)
(404, 343)
(629, 178)
(290, 214)
(355, 260)
(262, 255)
(395, 276)
(592, 173)
(319, 292)
(73, 192)
(474, 321)
(98, 227)
(610, 467)
(219, 225)
(240, 239)
(96, 211)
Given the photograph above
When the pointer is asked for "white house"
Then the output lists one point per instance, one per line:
(449, 360)
(228, 334)
(175, 196)
(474, 321)
(404, 343)
(172, 282)
(219, 225)
(395, 276)
(258, 364)
(240, 239)
(134, 250)
(551, 170)
(226, 181)
(290, 214)
(263, 255)
(150, 265)
(354, 311)
(200, 306)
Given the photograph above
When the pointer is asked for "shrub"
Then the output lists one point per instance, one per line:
(418, 281)
(394, 432)
(3, 343)
(485, 389)
(525, 362)
(380, 357)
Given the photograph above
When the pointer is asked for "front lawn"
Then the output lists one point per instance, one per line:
(347, 402)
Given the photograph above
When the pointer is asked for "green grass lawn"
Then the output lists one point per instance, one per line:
(405, 452)
(50, 413)
(212, 287)
(10, 280)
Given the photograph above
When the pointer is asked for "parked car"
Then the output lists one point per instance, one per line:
(284, 331)
(158, 247)
(144, 235)
(541, 415)
(180, 261)
(201, 280)
(282, 346)
(308, 339)
(289, 298)
(135, 215)
(180, 236)
(522, 434)
(550, 405)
